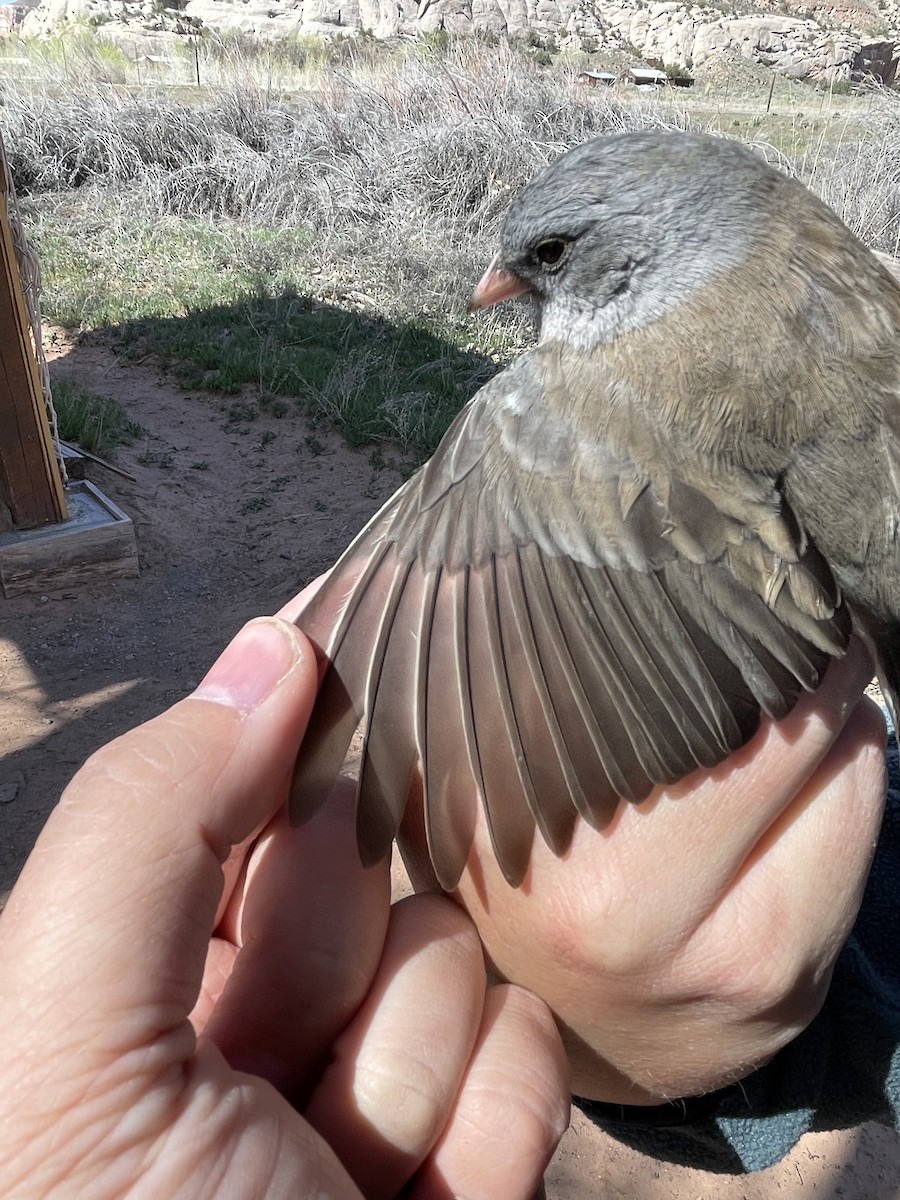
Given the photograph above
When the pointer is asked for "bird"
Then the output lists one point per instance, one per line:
(657, 524)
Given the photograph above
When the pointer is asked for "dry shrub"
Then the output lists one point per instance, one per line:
(400, 164)
(441, 141)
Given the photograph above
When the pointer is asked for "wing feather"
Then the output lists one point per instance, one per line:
(504, 776)
(686, 688)
(547, 628)
(600, 781)
(449, 783)
(555, 794)
(389, 746)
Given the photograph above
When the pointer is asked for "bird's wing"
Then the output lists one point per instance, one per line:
(533, 620)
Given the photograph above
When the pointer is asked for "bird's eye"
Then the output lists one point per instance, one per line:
(551, 252)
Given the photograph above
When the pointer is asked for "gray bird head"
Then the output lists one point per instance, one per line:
(620, 229)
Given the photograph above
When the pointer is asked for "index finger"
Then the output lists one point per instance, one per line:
(718, 817)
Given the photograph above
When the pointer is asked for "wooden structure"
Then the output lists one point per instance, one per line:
(592, 78)
(647, 77)
(96, 541)
(60, 536)
(30, 481)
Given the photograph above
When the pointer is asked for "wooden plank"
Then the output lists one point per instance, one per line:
(91, 555)
(97, 542)
(30, 481)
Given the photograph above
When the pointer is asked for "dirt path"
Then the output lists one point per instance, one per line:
(232, 516)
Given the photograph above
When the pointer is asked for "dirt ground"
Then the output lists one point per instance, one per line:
(231, 518)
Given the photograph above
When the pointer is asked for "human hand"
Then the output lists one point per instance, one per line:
(168, 897)
(687, 942)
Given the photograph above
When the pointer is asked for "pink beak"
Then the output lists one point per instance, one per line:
(496, 285)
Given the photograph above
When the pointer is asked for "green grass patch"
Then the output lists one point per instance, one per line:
(103, 267)
(227, 307)
(372, 378)
(97, 423)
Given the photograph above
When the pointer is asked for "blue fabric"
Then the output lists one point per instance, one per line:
(844, 1069)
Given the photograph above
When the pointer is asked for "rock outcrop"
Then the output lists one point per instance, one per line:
(829, 40)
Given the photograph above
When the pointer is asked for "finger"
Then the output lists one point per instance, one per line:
(114, 908)
(780, 758)
(512, 1109)
(803, 884)
(310, 922)
(713, 818)
(294, 606)
(385, 1099)
(716, 817)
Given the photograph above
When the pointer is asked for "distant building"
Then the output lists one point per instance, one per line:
(646, 77)
(592, 78)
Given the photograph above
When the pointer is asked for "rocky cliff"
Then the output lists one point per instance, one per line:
(830, 40)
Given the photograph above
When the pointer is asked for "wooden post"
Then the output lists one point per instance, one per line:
(30, 481)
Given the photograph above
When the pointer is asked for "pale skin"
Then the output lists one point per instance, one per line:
(688, 942)
(167, 897)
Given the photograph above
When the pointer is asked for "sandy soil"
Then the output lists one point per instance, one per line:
(217, 545)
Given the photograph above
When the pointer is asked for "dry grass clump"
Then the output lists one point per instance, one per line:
(208, 225)
(860, 179)
(412, 156)
(101, 137)
(320, 245)
(93, 137)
